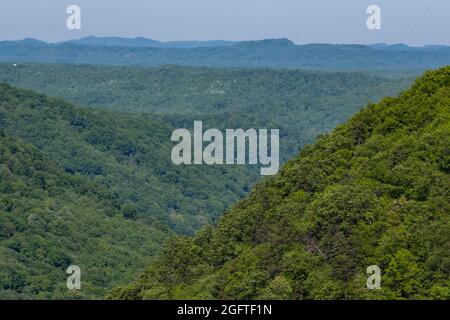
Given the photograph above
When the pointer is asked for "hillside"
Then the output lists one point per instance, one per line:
(275, 53)
(101, 183)
(302, 104)
(50, 219)
(375, 191)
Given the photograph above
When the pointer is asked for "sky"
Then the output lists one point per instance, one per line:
(413, 22)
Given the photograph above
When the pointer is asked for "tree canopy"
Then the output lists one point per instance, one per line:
(375, 191)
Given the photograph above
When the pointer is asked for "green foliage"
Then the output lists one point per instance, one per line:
(50, 219)
(375, 191)
(97, 188)
(125, 158)
(100, 193)
(302, 104)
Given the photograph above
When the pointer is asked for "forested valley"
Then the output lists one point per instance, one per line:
(302, 104)
(273, 53)
(375, 191)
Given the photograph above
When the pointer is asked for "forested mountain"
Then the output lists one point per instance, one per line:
(375, 191)
(276, 53)
(120, 162)
(82, 180)
(145, 42)
(101, 192)
(302, 104)
(50, 219)
(127, 154)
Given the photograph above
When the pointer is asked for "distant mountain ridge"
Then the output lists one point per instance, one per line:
(186, 44)
(145, 42)
(64, 169)
(274, 53)
(110, 174)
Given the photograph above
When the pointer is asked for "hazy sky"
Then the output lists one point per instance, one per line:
(414, 22)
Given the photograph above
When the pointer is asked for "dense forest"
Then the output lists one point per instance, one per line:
(145, 42)
(50, 219)
(375, 191)
(302, 104)
(275, 53)
(128, 154)
(120, 171)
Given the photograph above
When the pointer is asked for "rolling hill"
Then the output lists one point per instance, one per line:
(127, 154)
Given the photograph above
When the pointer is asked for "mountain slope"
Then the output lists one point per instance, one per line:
(126, 154)
(50, 219)
(373, 192)
(144, 42)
